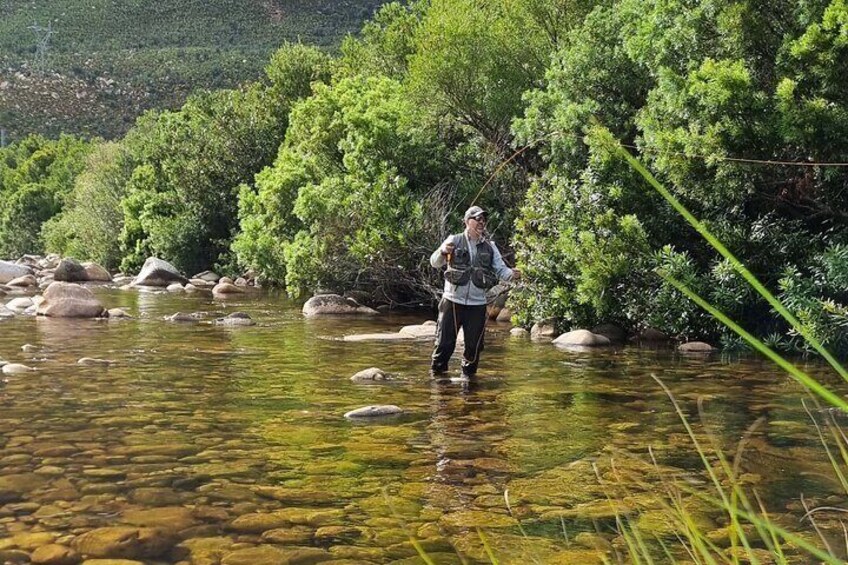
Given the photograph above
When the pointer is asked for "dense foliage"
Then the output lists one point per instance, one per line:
(346, 173)
(691, 85)
(36, 174)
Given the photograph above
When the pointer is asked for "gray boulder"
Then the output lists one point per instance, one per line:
(70, 270)
(156, 272)
(69, 300)
(612, 332)
(334, 305)
(11, 271)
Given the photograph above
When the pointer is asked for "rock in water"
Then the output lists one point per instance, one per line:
(236, 319)
(334, 305)
(11, 271)
(69, 300)
(370, 375)
(156, 272)
(695, 347)
(581, 337)
(374, 411)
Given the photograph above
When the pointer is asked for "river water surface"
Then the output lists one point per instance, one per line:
(213, 444)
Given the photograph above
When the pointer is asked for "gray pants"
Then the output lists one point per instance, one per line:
(452, 317)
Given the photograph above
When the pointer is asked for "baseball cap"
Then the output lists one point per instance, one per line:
(473, 212)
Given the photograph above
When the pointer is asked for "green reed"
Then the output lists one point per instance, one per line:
(730, 496)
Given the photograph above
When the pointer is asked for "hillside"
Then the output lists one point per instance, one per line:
(103, 62)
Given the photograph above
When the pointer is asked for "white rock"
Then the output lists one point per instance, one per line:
(695, 347)
(11, 271)
(16, 369)
(374, 411)
(370, 374)
(583, 338)
(93, 361)
(175, 287)
(19, 304)
(26, 280)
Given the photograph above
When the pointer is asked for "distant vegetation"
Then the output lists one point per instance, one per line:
(109, 60)
(344, 172)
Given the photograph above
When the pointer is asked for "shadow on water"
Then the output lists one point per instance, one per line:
(236, 432)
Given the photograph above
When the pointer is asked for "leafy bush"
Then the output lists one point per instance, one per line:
(36, 174)
(342, 204)
(687, 88)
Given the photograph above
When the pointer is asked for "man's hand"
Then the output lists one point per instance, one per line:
(447, 249)
(516, 275)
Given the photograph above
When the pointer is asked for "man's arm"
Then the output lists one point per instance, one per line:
(504, 272)
(439, 257)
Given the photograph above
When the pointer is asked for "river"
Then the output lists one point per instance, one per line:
(228, 444)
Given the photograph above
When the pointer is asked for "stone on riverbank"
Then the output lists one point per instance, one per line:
(96, 273)
(207, 276)
(69, 300)
(156, 272)
(374, 411)
(24, 281)
(70, 270)
(11, 271)
(334, 305)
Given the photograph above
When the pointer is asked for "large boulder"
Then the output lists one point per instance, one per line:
(11, 271)
(156, 272)
(70, 270)
(334, 305)
(583, 338)
(69, 300)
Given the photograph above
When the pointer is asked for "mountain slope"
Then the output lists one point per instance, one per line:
(103, 62)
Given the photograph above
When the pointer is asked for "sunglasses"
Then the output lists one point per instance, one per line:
(479, 218)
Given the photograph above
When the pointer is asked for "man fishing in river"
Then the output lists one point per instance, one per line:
(474, 265)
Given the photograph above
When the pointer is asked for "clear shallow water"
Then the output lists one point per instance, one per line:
(233, 439)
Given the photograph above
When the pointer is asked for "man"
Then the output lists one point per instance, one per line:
(474, 265)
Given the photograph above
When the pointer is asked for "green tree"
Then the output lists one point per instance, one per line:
(36, 174)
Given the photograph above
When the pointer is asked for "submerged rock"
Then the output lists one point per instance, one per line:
(334, 305)
(374, 411)
(123, 542)
(236, 319)
(54, 554)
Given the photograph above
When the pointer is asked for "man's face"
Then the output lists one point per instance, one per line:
(476, 225)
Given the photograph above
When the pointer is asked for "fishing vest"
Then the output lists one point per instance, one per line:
(479, 271)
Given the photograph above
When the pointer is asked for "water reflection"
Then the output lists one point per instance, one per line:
(236, 434)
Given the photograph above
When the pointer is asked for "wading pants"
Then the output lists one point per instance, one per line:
(452, 317)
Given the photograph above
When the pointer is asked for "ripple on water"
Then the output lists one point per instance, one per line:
(228, 444)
